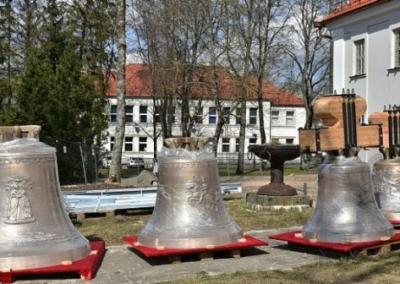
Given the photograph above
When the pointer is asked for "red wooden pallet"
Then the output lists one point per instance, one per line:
(87, 267)
(248, 242)
(395, 222)
(296, 238)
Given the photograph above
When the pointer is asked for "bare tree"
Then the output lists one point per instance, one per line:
(271, 21)
(239, 32)
(308, 52)
(115, 169)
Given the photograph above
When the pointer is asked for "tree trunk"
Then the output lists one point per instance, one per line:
(242, 138)
(115, 169)
(260, 95)
(218, 129)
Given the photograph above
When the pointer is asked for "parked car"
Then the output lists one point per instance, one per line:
(136, 163)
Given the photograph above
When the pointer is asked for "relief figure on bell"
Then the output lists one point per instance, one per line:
(19, 210)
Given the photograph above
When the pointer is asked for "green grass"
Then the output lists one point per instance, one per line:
(376, 270)
(112, 229)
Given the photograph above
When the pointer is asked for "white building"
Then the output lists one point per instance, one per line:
(284, 113)
(366, 39)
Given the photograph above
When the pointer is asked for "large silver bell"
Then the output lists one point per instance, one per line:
(35, 230)
(346, 210)
(387, 183)
(189, 211)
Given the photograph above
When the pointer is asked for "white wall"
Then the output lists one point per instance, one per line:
(375, 25)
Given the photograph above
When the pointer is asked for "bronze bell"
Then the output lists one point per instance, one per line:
(346, 210)
(189, 211)
(35, 230)
(387, 183)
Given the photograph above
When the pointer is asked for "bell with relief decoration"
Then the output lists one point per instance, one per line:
(346, 209)
(189, 211)
(387, 184)
(35, 230)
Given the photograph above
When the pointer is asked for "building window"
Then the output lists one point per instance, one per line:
(143, 114)
(397, 48)
(157, 118)
(198, 116)
(290, 118)
(360, 57)
(113, 113)
(128, 144)
(237, 146)
(238, 115)
(212, 115)
(275, 117)
(275, 141)
(129, 114)
(112, 139)
(252, 141)
(225, 145)
(226, 112)
(171, 116)
(289, 141)
(253, 116)
(142, 144)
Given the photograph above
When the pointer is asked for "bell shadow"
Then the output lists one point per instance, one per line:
(164, 260)
(48, 277)
(314, 251)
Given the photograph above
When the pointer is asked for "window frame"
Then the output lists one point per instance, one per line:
(225, 142)
(128, 141)
(113, 113)
(143, 115)
(129, 114)
(359, 57)
(141, 143)
(238, 118)
(157, 115)
(396, 33)
(291, 143)
(275, 118)
(226, 112)
(198, 116)
(253, 116)
(290, 118)
(212, 115)
(237, 145)
(254, 139)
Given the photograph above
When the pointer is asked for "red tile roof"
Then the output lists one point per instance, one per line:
(350, 7)
(139, 86)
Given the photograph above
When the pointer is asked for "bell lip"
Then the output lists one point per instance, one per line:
(347, 238)
(190, 243)
(385, 163)
(79, 251)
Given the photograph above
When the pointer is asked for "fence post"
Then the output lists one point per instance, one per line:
(83, 163)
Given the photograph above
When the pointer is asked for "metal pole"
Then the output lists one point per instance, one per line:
(83, 163)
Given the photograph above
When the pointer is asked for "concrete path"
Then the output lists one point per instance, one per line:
(121, 265)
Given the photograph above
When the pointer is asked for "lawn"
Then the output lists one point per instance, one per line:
(112, 229)
(375, 270)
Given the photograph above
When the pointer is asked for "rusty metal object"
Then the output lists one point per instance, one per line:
(386, 177)
(189, 210)
(346, 210)
(277, 155)
(35, 230)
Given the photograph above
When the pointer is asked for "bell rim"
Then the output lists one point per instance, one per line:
(77, 251)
